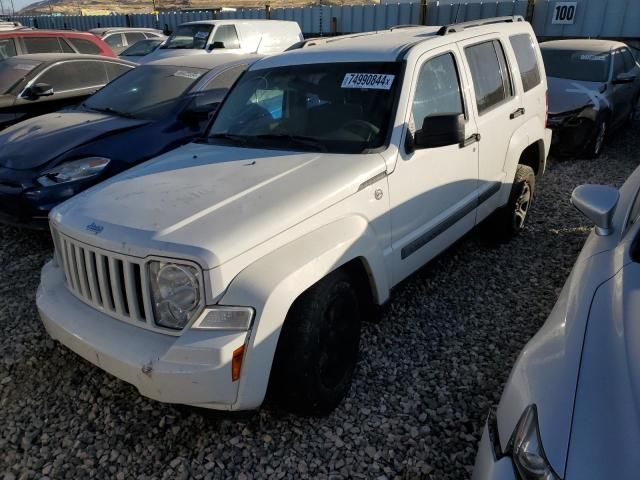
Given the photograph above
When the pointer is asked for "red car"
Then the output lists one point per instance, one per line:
(21, 42)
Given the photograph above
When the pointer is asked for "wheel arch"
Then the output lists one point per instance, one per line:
(273, 283)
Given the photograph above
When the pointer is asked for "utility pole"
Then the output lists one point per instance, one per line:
(1, 8)
(13, 9)
(50, 9)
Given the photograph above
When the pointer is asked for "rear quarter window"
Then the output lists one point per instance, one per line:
(527, 59)
(7, 48)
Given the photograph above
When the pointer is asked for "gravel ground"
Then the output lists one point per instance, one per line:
(429, 370)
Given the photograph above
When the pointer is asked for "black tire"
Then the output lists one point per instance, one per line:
(598, 140)
(510, 219)
(318, 348)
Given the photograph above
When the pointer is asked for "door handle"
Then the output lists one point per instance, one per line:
(469, 140)
(517, 113)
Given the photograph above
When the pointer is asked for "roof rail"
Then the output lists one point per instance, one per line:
(408, 25)
(458, 27)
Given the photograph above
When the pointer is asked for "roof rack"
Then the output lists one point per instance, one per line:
(408, 25)
(458, 27)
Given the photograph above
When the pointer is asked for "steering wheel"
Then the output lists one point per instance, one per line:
(362, 128)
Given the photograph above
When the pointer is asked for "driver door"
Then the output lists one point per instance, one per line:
(433, 191)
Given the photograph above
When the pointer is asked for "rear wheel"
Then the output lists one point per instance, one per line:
(509, 220)
(318, 348)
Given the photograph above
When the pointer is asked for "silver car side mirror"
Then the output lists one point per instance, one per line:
(598, 203)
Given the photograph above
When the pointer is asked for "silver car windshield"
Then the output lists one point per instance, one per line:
(338, 107)
(581, 65)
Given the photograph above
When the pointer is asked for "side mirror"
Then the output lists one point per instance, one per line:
(216, 45)
(39, 90)
(624, 78)
(598, 203)
(199, 113)
(440, 130)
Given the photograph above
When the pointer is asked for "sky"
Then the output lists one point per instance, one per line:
(17, 3)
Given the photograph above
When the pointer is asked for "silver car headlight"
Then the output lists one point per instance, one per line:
(526, 449)
(74, 170)
(175, 293)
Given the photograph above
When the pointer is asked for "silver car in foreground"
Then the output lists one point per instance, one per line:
(571, 407)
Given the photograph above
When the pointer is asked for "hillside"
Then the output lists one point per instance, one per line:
(102, 7)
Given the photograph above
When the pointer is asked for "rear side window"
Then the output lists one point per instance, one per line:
(85, 46)
(134, 37)
(527, 60)
(227, 34)
(491, 80)
(66, 48)
(114, 40)
(42, 45)
(437, 90)
(7, 48)
(75, 75)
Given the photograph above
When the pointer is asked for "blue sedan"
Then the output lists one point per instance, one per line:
(144, 113)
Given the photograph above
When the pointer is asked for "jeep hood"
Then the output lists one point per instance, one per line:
(212, 203)
(35, 142)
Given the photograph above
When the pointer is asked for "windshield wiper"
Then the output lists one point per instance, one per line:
(241, 139)
(111, 111)
(295, 139)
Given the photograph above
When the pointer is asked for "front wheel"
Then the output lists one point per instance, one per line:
(596, 144)
(318, 348)
(510, 219)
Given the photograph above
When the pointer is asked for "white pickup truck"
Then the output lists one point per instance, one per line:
(245, 262)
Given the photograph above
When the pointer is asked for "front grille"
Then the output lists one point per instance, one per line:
(113, 283)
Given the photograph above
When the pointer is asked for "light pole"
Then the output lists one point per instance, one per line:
(13, 9)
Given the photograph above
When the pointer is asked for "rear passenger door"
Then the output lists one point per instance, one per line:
(499, 111)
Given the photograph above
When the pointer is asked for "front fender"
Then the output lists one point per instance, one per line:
(271, 285)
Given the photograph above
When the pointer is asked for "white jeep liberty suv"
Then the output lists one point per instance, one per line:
(245, 262)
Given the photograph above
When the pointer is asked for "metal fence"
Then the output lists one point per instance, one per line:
(593, 18)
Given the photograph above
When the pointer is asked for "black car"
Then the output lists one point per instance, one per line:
(32, 85)
(146, 112)
(593, 89)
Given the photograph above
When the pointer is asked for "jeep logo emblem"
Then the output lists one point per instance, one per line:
(93, 228)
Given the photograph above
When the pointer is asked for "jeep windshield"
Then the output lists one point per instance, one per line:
(189, 37)
(14, 70)
(337, 108)
(578, 65)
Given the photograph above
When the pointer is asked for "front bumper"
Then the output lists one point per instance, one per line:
(193, 368)
(571, 137)
(487, 466)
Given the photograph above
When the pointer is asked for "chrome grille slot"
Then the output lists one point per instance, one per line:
(109, 282)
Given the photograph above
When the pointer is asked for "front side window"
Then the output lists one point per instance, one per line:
(42, 45)
(618, 63)
(525, 51)
(75, 75)
(581, 65)
(13, 71)
(85, 46)
(226, 34)
(149, 92)
(629, 60)
(437, 90)
(336, 107)
(491, 80)
(7, 48)
(189, 37)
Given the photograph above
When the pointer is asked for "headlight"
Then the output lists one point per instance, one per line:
(75, 170)
(175, 292)
(526, 449)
